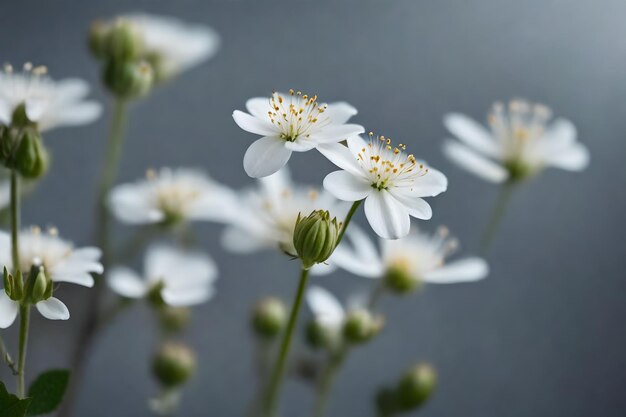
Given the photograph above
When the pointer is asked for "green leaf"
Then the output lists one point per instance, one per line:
(10, 405)
(47, 391)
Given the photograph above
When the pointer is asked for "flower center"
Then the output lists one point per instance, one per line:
(172, 197)
(297, 115)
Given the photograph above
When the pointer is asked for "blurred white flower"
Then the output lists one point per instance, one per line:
(52, 309)
(521, 142)
(419, 255)
(266, 217)
(290, 122)
(326, 308)
(181, 278)
(175, 45)
(170, 196)
(61, 261)
(391, 182)
(46, 102)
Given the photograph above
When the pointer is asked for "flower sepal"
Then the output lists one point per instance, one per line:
(13, 285)
(173, 364)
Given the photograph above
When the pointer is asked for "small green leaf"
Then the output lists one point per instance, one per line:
(47, 391)
(10, 405)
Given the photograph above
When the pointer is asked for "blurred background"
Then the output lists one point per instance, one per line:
(542, 336)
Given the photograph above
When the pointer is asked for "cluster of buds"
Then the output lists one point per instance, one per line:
(269, 318)
(21, 147)
(127, 70)
(315, 237)
(37, 286)
(411, 392)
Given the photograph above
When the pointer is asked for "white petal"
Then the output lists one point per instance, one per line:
(387, 217)
(574, 158)
(431, 184)
(253, 124)
(80, 278)
(341, 156)
(239, 240)
(8, 310)
(323, 268)
(472, 133)
(187, 297)
(560, 133)
(416, 206)
(345, 186)
(336, 133)
(475, 163)
(179, 268)
(88, 253)
(53, 309)
(344, 258)
(126, 283)
(300, 145)
(71, 89)
(463, 270)
(324, 306)
(265, 157)
(340, 112)
(78, 114)
(258, 107)
(131, 203)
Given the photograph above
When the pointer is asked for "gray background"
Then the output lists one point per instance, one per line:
(542, 336)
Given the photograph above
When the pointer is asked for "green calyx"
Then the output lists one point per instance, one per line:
(518, 170)
(360, 326)
(269, 317)
(35, 288)
(400, 281)
(22, 150)
(128, 79)
(173, 364)
(315, 237)
(416, 386)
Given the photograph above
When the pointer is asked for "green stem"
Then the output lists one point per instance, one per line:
(15, 220)
(326, 381)
(6, 356)
(346, 222)
(271, 398)
(21, 361)
(504, 196)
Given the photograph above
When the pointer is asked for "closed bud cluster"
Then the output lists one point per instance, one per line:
(127, 69)
(173, 364)
(315, 237)
(37, 286)
(360, 326)
(22, 150)
(269, 317)
(400, 281)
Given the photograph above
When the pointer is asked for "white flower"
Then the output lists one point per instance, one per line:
(267, 216)
(391, 182)
(61, 261)
(46, 102)
(521, 142)
(182, 278)
(290, 122)
(171, 195)
(52, 309)
(418, 255)
(177, 45)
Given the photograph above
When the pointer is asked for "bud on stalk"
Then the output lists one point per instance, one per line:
(315, 237)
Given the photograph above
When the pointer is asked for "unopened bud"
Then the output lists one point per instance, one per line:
(174, 319)
(123, 42)
(128, 79)
(416, 386)
(399, 280)
(360, 326)
(269, 317)
(30, 158)
(173, 364)
(97, 39)
(315, 237)
(7, 279)
(320, 335)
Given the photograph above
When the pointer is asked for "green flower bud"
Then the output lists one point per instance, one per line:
(320, 336)
(315, 237)
(269, 317)
(399, 280)
(360, 326)
(173, 364)
(98, 38)
(174, 319)
(30, 158)
(40, 288)
(8, 142)
(123, 42)
(416, 386)
(128, 79)
(156, 62)
(8, 282)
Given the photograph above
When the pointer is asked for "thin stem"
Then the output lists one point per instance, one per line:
(327, 379)
(346, 222)
(90, 325)
(21, 361)
(278, 372)
(6, 356)
(15, 220)
(504, 196)
(262, 358)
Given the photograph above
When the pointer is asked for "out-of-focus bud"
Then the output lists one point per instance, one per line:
(320, 335)
(416, 386)
(156, 62)
(127, 79)
(518, 170)
(7, 279)
(154, 296)
(315, 237)
(123, 42)
(173, 364)
(19, 118)
(30, 158)
(174, 319)
(386, 402)
(360, 326)
(97, 38)
(400, 281)
(269, 317)
(8, 139)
